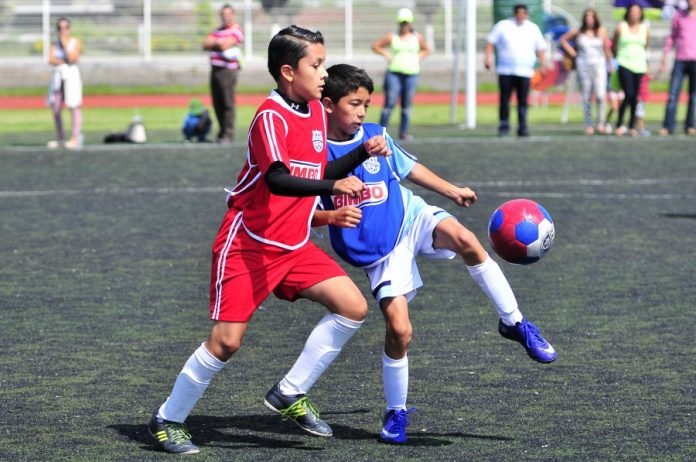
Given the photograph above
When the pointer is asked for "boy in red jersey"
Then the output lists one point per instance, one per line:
(263, 244)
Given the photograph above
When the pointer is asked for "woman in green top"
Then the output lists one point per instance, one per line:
(403, 52)
(631, 40)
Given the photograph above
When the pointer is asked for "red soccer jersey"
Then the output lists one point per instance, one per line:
(280, 133)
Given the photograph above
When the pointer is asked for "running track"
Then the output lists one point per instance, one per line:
(182, 101)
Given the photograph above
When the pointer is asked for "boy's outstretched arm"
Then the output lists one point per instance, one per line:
(345, 217)
(424, 177)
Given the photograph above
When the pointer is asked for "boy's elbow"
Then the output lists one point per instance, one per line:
(274, 188)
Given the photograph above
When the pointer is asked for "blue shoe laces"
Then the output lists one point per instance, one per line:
(401, 420)
(532, 335)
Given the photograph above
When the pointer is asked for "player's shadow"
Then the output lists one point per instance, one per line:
(209, 431)
(415, 438)
(691, 216)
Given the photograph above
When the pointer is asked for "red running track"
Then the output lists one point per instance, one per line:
(182, 101)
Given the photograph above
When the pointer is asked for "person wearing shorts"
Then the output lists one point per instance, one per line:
(263, 246)
(386, 227)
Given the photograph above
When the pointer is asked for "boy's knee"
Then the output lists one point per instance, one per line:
(227, 349)
(352, 306)
(223, 347)
(469, 247)
(400, 335)
(359, 310)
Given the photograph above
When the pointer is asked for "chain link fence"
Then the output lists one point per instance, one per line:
(153, 34)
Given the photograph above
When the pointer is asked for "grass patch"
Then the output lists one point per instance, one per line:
(104, 291)
(35, 126)
(483, 87)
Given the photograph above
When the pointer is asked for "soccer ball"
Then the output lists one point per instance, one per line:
(521, 231)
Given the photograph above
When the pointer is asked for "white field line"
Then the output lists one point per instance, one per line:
(111, 191)
(582, 182)
(594, 195)
(588, 182)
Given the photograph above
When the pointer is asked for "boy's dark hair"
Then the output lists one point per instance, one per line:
(288, 47)
(519, 6)
(344, 79)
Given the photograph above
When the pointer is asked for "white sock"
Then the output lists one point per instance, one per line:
(192, 381)
(322, 347)
(395, 378)
(494, 284)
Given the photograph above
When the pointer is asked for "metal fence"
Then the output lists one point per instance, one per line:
(148, 28)
(151, 28)
(142, 31)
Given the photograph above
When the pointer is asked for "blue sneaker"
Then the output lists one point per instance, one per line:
(395, 423)
(530, 337)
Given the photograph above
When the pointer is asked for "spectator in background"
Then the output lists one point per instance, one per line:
(404, 52)
(631, 39)
(593, 57)
(683, 39)
(518, 43)
(225, 61)
(197, 122)
(66, 85)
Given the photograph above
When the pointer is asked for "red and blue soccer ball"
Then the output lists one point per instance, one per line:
(521, 231)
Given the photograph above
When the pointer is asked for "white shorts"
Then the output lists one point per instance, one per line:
(398, 273)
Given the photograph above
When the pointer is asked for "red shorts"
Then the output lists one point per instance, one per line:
(245, 271)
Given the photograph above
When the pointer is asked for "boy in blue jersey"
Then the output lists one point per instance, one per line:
(387, 226)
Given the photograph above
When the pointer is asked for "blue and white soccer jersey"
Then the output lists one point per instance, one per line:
(383, 202)
(399, 224)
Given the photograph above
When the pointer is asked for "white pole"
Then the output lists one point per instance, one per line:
(430, 36)
(349, 29)
(471, 64)
(448, 28)
(45, 28)
(247, 29)
(455, 65)
(547, 6)
(147, 30)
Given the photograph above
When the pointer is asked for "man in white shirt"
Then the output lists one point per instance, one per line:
(518, 43)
